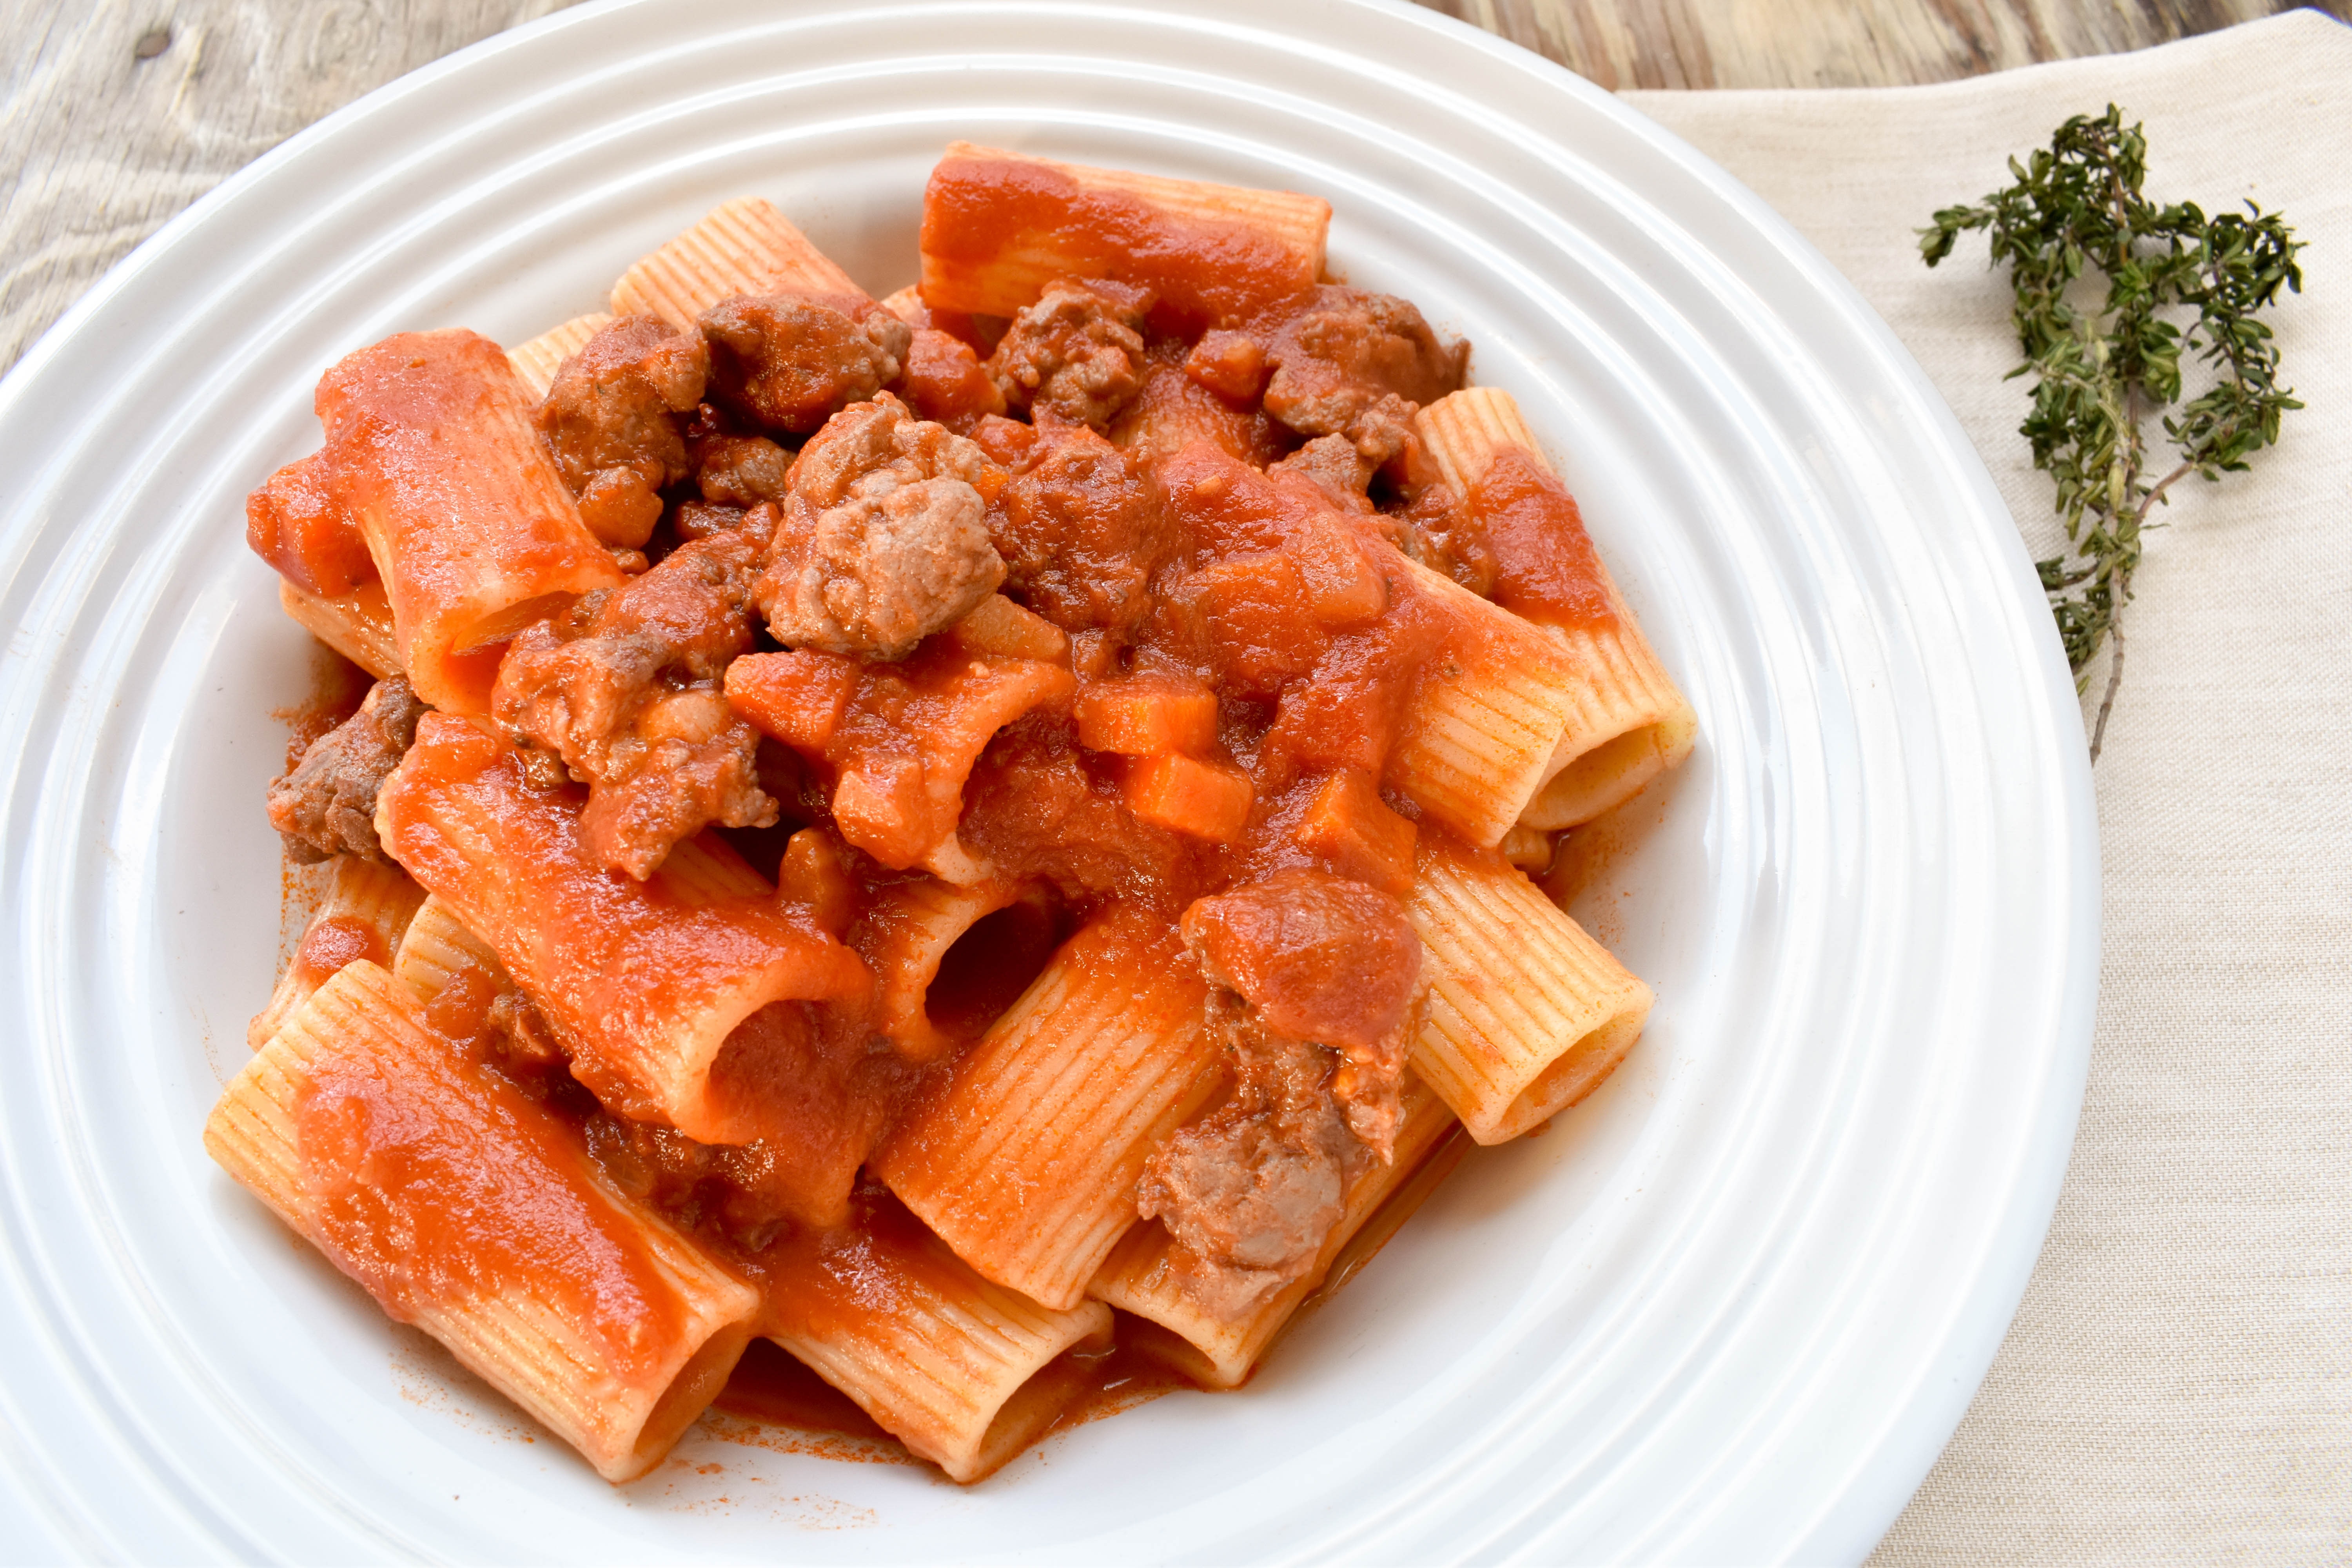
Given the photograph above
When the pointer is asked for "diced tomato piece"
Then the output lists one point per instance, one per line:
(293, 523)
(1342, 588)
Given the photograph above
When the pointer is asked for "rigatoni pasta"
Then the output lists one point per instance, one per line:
(1628, 724)
(958, 829)
(1527, 1014)
(467, 1211)
(469, 526)
(538, 361)
(367, 910)
(645, 984)
(742, 247)
(1026, 1159)
(998, 226)
(885, 1311)
(357, 624)
(1220, 1352)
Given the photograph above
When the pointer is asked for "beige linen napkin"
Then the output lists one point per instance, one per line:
(2178, 1384)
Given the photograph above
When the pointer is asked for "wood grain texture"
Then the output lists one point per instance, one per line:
(1838, 43)
(116, 114)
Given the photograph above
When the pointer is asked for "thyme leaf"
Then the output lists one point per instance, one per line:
(2075, 211)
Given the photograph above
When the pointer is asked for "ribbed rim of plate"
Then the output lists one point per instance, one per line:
(1770, 1267)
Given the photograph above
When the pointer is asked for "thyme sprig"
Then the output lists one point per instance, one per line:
(2076, 207)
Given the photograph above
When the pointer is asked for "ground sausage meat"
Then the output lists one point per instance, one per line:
(610, 421)
(1327, 958)
(741, 471)
(1077, 352)
(326, 805)
(623, 690)
(1360, 365)
(1314, 979)
(1334, 465)
(1082, 528)
(519, 1037)
(884, 538)
(792, 360)
(1249, 1192)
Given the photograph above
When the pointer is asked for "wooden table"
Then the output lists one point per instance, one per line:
(120, 116)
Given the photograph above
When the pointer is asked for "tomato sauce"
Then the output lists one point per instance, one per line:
(1216, 655)
(770, 1385)
(1545, 566)
(445, 1196)
(1204, 272)
(333, 942)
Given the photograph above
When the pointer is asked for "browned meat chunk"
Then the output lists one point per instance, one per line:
(793, 361)
(326, 806)
(884, 538)
(1081, 529)
(1076, 354)
(1327, 958)
(1033, 805)
(623, 689)
(1314, 988)
(741, 471)
(1250, 1192)
(610, 422)
(1360, 365)
(698, 520)
(1436, 530)
(519, 1039)
(1313, 983)
(1335, 466)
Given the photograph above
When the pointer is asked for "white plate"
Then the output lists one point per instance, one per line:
(1730, 1310)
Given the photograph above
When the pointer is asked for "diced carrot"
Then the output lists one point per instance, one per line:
(796, 697)
(1207, 800)
(1352, 830)
(1146, 714)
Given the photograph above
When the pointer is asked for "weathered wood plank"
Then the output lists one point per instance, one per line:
(115, 117)
(1838, 43)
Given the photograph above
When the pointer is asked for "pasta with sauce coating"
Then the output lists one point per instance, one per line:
(618, 1359)
(952, 831)
(1629, 724)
